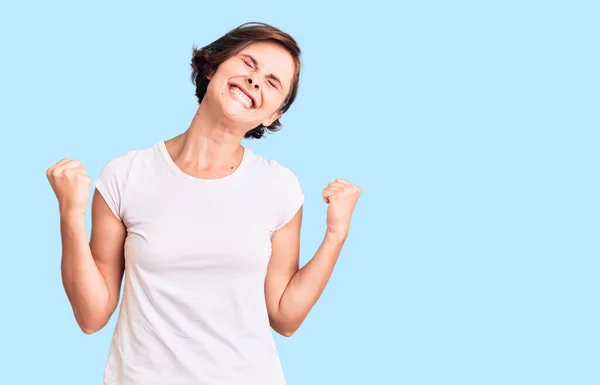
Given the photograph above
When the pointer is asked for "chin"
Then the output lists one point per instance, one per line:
(234, 110)
(238, 117)
(234, 113)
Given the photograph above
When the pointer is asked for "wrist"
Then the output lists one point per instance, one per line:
(72, 216)
(336, 237)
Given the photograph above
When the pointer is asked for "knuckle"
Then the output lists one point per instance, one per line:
(71, 173)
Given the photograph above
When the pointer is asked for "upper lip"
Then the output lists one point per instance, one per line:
(244, 90)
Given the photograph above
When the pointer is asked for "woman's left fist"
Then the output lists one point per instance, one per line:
(341, 197)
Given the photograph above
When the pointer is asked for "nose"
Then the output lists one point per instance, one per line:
(252, 83)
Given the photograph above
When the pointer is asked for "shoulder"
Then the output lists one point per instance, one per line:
(124, 161)
(274, 170)
(282, 187)
(113, 179)
(119, 167)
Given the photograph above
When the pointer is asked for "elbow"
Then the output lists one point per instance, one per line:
(91, 321)
(287, 333)
(90, 327)
(285, 330)
(89, 331)
(285, 325)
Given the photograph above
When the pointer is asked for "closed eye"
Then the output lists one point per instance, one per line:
(249, 65)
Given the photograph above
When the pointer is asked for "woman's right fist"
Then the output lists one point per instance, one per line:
(71, 185)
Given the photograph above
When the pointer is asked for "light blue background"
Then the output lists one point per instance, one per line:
(472, 127)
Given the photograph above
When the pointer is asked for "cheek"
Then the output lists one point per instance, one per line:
(272, 101)
(216, 90)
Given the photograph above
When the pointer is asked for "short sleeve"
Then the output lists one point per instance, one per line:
(291, 196)
(112, 181)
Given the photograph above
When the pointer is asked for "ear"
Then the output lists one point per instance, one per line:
(210, 74)
(274, 116)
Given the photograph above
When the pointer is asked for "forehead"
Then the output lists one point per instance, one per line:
(272, 58)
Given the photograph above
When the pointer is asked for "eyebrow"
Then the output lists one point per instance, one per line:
(271, 75)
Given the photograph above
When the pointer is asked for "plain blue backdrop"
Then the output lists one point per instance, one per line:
(472, 128)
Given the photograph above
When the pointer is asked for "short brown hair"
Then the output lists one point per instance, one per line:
(206, 60)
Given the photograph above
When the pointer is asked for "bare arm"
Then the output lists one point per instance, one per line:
(92, 273)
(292, 292)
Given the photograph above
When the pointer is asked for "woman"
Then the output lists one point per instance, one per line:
(207, 231)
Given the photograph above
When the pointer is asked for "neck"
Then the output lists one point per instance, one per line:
(208, 143)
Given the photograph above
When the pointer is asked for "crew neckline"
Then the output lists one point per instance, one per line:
(162, 146)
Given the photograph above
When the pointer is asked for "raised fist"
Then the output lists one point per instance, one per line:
(71, 185)
(341, 197)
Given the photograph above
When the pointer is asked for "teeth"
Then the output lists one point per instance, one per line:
(241, 96)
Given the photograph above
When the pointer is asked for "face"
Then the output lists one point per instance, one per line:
(251, 86)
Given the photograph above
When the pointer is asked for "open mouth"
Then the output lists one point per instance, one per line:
(242, 96)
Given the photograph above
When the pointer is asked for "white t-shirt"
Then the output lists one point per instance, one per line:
(196, 253)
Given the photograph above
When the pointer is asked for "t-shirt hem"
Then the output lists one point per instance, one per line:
(101, 187)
